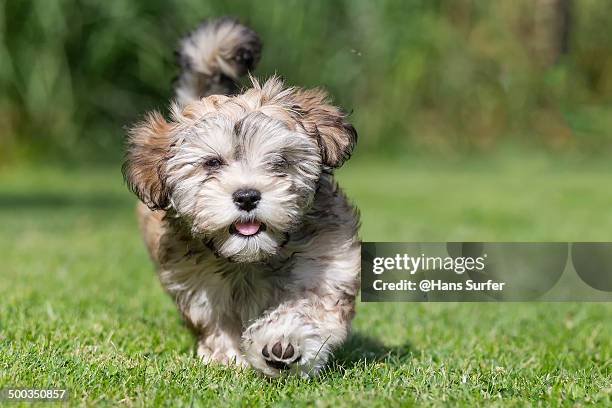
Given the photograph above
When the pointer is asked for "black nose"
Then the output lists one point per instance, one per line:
(246, 199)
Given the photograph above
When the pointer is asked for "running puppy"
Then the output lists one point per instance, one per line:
(239, 210)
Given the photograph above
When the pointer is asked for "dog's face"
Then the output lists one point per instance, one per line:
(242, 184)
(240, 171)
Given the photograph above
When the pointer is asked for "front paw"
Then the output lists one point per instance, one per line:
(280, 356)
(283, 344)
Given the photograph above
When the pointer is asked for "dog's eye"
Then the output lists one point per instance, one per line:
(213, 163)
(279, 163)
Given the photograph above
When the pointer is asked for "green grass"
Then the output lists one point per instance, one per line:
(80, 306)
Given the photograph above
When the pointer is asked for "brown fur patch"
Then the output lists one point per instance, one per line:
(148, 145)
(327, 123)
(150, 223)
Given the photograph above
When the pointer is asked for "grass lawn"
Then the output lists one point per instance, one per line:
(81, 308)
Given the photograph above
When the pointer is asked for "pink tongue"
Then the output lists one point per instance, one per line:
(247, 228)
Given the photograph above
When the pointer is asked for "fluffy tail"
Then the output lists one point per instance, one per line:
(213, 57)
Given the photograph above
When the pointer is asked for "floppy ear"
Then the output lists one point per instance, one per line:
(143, 169)
(327, 123)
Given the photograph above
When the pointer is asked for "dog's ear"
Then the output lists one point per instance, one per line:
(143, 170)
(327, 123)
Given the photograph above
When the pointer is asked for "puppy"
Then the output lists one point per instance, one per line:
(250, 233)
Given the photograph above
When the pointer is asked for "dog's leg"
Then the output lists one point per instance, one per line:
(220, 346)
(298, 336)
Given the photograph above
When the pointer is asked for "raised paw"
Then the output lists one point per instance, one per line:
(280, 356)
(285, 343)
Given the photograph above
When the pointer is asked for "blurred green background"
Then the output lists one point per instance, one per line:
(442, 77)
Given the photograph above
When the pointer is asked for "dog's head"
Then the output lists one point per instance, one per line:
(241, 171)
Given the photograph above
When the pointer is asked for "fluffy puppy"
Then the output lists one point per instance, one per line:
(239, 210)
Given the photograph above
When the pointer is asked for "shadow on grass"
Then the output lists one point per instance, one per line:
(360, 348)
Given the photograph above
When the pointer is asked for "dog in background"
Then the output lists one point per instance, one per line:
(250, 233)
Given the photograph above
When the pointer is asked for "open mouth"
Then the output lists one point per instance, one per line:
(247, 229)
